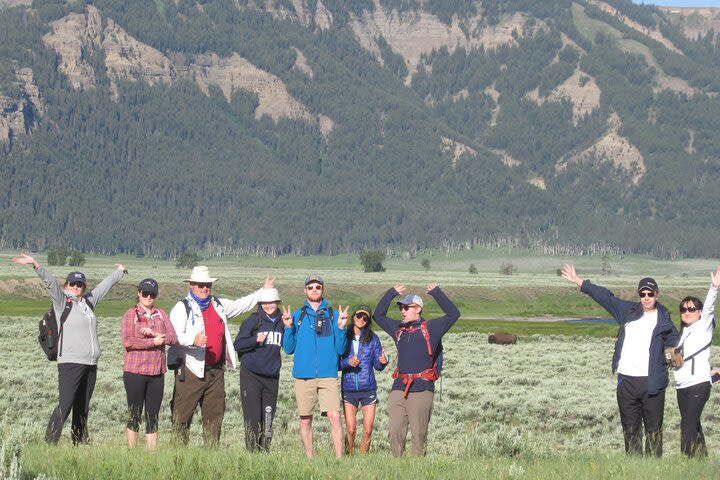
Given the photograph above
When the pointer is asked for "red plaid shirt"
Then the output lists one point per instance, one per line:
(142, 356)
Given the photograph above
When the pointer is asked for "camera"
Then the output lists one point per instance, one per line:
(319, 321)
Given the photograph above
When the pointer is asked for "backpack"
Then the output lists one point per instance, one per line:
(50, 329)
(431, 374)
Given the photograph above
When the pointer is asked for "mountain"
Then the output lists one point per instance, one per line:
(326, 126)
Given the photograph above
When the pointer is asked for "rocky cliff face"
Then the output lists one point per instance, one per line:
(18, 115)
(78, 36)
(417, 33)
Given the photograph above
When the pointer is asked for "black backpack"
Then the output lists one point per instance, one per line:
(50, 330)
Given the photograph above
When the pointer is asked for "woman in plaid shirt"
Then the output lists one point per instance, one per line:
(145, 332)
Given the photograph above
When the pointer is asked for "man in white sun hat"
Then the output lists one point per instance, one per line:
(204, 349)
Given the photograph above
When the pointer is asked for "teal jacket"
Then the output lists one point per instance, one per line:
(316, 353)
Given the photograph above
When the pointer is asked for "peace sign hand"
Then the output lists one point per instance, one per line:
(343, 318)
(715, 278)
(269, 282)
(287, 316)
(400, 288)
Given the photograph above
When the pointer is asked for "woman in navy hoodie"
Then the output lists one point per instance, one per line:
(364, 353)
(258, 344)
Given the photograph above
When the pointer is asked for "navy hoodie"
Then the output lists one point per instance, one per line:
(412, 348)
(260, 359)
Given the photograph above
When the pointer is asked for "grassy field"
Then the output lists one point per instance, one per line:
(545, 407)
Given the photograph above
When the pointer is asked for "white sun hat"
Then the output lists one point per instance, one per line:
(268, 295)
(200, 274)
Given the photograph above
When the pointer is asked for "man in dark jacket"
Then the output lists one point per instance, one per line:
(258, 344)
(417, 341)
(638, 360)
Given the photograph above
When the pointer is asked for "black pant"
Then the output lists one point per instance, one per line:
(637, 407)
(258, 395)
(76, 383)
(691, 401)
(143, 390)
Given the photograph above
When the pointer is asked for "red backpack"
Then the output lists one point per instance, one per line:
(429, 374)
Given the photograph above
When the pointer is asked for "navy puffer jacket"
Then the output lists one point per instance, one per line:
(362, 377)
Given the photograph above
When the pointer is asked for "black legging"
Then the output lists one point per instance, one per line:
(691, 401)
(143, 390)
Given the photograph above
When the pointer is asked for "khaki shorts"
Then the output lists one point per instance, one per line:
(309, 390)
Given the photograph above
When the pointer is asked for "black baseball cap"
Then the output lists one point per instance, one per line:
(648, 283)
(148, 285)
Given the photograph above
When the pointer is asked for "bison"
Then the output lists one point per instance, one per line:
(502, 338)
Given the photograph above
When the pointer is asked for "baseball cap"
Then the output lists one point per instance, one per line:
(148, 285)
(648, 283)
(409, 299)
(76, 277)
(314, 279)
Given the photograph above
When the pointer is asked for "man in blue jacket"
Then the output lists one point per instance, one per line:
(315, 334)
(638, 360)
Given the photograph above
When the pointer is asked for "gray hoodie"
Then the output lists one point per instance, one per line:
(79, 338)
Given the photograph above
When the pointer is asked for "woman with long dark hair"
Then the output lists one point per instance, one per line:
(364, 354)
(692, 379)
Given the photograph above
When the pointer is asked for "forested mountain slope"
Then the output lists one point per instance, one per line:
(322, 126)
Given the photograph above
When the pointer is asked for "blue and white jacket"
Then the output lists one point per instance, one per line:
(316, 354)
(362, 377)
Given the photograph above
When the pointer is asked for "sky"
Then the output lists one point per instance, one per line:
(681, 3)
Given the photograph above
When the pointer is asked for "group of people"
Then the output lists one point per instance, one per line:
(646, 343)
(322, 340)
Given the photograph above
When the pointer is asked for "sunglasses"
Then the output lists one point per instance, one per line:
(76, 284)
(361, 316)
(406, 307)
(204, 285)
(688, 309)
(646, 294)
(148, 294)
(313, 287)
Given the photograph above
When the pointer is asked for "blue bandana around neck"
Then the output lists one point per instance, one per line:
(203, 304)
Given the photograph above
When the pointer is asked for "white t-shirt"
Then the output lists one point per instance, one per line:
(635, 354)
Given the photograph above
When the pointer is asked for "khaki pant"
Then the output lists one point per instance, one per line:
(209, 392)
(415, 411)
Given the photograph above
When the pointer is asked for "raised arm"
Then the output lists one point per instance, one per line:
(51, 284)
(233, 308)
(102, 288)
(289, 335)
(452, 314)
(380, 315)
(339, 323)
(604, 297)
(708, 313)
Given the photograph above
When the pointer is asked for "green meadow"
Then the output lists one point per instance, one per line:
(544, 408)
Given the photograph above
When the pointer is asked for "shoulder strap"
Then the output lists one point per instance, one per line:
(188, 309)
(690, 357)
(90, 304)
(302, 315)
(61, 321)
(217, 301)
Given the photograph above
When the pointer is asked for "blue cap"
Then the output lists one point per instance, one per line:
(76, 277)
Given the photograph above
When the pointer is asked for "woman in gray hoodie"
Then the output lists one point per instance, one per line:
(78, 347)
